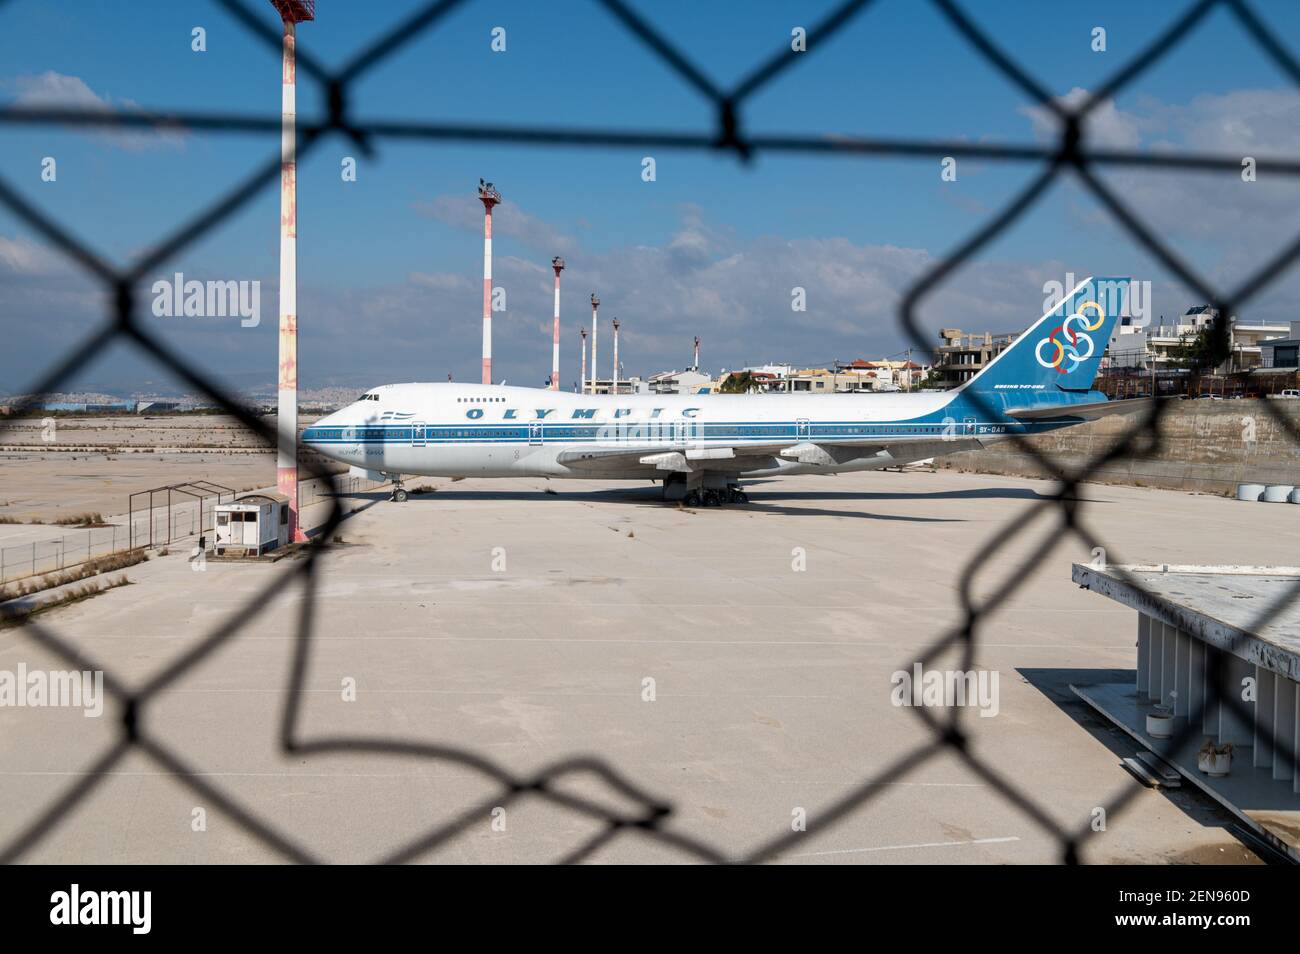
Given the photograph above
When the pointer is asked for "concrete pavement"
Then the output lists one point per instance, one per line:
(523, 626)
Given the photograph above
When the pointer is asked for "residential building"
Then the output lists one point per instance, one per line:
(1279, 353)
(679, 382)
(962, 355)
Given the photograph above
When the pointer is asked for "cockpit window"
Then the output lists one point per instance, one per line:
(368, 397)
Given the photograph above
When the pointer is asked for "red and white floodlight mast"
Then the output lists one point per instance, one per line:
(614, 389)
(595, 328)
(292, 12)
(489, 196)
(582, 389)
(557, 263)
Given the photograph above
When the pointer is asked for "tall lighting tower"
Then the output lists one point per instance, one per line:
(557, 263)
(595, 328)
(489, 196)
(614, 390)
(583, 387)
(292, 12)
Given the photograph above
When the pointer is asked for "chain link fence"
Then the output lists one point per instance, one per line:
(156, 526)
(1070, 155)
(49, 556)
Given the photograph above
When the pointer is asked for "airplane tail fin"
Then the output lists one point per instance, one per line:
(1060, 352)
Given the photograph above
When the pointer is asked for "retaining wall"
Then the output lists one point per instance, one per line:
(1208, 446)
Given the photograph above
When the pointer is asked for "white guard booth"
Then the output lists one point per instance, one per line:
(253, 524)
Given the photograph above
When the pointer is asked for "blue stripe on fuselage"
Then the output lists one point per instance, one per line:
(732, 432)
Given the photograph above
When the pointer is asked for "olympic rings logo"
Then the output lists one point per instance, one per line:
(1072, 330)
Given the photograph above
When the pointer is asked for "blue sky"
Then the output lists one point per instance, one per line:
(389, 265)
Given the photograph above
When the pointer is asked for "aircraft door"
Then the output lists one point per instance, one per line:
(417, 434)
(535, 433)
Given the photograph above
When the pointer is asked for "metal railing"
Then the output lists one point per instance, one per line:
(1071, 154)
(22, 560)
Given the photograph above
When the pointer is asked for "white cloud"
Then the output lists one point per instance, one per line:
(21, 257)
(733, 292)
(57, 89)
(442, 281)
(1225, 227)
(1105, 125)
(1243, 122)
(465, 212)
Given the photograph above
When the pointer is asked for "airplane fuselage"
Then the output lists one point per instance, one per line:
(460, 430)
(707, 442)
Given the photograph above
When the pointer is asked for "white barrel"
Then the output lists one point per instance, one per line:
(1278, 493)
(1250, 491)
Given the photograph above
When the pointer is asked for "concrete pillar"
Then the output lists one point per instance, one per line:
(1182, 672)
(1210, 720)
(1143, 655)
(1265, 690)
(1234, 727)
(1155, 647)
(1295, 730)
(1284, 712)
(1168, 663)
(1195, 678)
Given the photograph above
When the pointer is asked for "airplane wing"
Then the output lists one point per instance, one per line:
(1081, 412)
(825, 453)
(661, 457)
(749, 456)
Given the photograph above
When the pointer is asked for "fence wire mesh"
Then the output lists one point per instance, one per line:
(650, 817)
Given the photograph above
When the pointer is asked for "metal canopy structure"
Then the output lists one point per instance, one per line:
(196, 490)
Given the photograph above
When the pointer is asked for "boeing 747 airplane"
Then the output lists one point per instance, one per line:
(702, 446)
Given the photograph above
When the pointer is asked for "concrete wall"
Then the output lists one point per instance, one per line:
(1207, 447)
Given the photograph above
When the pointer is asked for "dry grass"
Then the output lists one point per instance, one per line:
(13, 617)
(89, 519)
(93, 567)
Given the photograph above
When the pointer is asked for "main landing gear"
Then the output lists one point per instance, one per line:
(710, 496)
